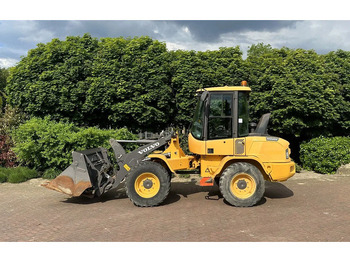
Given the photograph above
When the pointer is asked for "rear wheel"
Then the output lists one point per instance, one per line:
(242, 184)
(148, 184)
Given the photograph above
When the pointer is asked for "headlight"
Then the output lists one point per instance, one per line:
(287, 153)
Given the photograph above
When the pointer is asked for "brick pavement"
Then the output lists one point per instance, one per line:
(314, 208)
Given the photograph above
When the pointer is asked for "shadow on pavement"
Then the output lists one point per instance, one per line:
(178, 189)
(185, 189)
(277, 190)
(172, 198)
(261, 202)
(110, 195)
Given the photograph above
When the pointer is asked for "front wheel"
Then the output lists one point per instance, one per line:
(148, 184)
(242, 184)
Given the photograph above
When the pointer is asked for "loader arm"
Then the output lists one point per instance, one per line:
(127, 162)
(92, 172)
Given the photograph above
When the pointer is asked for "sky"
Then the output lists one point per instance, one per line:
(20, 33)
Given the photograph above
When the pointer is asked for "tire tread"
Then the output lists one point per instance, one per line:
(147, 202)
(228, 174)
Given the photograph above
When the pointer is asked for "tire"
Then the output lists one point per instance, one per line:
(148, 184)
(217, 180)
(242, 184)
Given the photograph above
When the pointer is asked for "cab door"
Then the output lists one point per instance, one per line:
(219, 135)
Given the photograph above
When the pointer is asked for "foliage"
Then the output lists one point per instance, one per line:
(183, 139)
(4, 73)
(7, 156)
(338, 65)
(298, 168)
(192, 70)
(108, 83)
(50, 80)
(44, 143)
(17, 174)
(21, 174)
(297, 87)
(3, 76)
(9, 120)
(51, 173)
(138, 83)
(3, 174)
(117, 82)
(325, 155)
(307, 93)
(129, 85)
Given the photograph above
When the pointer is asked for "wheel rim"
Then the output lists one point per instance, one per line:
(243, 185)
(147, 185)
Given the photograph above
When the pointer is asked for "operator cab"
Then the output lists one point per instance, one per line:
(221, 113)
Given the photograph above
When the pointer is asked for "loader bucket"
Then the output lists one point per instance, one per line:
(88, 169)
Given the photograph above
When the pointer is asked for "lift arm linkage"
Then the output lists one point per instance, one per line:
(127, 162)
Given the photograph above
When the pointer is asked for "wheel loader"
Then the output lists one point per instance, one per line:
(223, 151)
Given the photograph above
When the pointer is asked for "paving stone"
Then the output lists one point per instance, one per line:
(300, 209)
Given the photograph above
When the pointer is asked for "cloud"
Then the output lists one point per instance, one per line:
(17, 37)
(321, 36)
(7, 62)
(211, 31)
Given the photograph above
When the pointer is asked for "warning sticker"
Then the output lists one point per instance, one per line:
(127, 167)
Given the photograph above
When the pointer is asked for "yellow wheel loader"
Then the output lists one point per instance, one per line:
(222, 151)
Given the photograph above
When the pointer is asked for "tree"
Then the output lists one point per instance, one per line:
(111, 82)
(129, 85)
(51, 79)
(194, 70)
(337, 64)
(301, 89)
(4, 73)
(138, 83)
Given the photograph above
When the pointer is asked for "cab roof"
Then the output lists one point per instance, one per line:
(225, 88)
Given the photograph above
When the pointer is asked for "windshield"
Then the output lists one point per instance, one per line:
(197, 124)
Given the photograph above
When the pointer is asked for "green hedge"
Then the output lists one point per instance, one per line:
(325, 155)
(46, 144)
(51, 173)
(17, 174)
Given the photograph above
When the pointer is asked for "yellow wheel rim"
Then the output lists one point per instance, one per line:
(243, 185)
(147, 185)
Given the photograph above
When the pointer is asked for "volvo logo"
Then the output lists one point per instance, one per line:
(145, 150)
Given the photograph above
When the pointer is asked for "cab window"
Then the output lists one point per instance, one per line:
(243, 114)
(220, 116)
(198, 121)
